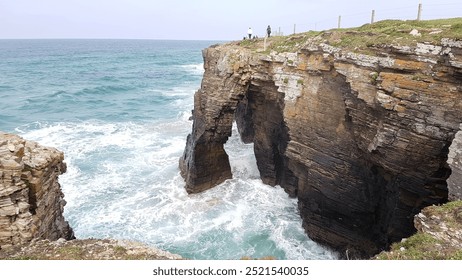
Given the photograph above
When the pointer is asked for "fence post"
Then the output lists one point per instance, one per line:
(419, 12)
(373, 16)
(339, 21)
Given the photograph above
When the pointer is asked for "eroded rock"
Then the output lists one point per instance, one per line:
(361, 140)
(31, 200)
(455, 162)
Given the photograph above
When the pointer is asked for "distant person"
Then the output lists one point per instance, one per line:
(268, 30)
(249, 32)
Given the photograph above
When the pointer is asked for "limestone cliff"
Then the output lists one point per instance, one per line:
(360, 135)
(31, 200)
(455, 162)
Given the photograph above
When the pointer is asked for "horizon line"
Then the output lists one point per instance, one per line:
(145, 39)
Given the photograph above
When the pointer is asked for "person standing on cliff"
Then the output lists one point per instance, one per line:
(249, 32)
(268, 31)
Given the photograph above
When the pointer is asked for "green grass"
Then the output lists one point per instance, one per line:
(454, 219)
(84, 249)
(363, 39)
(447, 207)
(291, 43)
(71, 252)
(421, 246)
(119, 250)
(397, 32)
(247, 43)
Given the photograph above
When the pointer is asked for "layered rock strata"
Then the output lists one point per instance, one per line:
(361, 139)
(31, 200)
(455, 162)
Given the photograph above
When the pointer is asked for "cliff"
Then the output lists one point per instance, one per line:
(32, 225)
(355, 123)
(31, 200)
(438, 237)
(455, 162)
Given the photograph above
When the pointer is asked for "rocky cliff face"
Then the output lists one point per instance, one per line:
(455, 162)
(31, 201)
(438, 237)
(361, 138)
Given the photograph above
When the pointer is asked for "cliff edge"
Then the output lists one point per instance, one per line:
(438, 237)
(32, 225)
(31, 200)
(85, 249)
(356, 123)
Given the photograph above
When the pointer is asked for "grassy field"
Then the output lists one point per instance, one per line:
(363, 38)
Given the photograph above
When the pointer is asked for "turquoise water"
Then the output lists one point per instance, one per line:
(119, 110)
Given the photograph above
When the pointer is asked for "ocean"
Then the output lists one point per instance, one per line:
(119, 110)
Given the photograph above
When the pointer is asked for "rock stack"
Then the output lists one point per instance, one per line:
(31, 200)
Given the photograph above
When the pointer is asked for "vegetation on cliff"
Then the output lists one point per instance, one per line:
(439, 236)
(355, 123)
(361, 39)
(385, 112)
(85, 249)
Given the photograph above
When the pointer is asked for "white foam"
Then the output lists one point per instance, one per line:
(123, 182)
(195, 69)
(183, 91)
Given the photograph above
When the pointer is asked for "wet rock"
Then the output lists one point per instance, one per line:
(361, 140)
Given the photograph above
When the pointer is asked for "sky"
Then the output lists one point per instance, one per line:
(200, 19)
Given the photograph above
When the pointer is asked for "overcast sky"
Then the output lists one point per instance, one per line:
(199, 19)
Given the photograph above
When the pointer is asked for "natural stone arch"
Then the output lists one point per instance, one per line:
(205, 163)
(358, 139)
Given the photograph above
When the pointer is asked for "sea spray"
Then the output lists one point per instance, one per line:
(120, 112)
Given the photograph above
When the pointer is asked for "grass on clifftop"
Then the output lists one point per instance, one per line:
(421, 246)
(387, 32)
(84, 249)
(398, 32)
(424, 246)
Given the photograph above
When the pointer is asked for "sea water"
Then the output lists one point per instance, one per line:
(119, 110)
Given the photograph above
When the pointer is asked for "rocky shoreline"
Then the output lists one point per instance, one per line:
(356, 124)
(32, 225)
(31, 200)
(367, 139)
